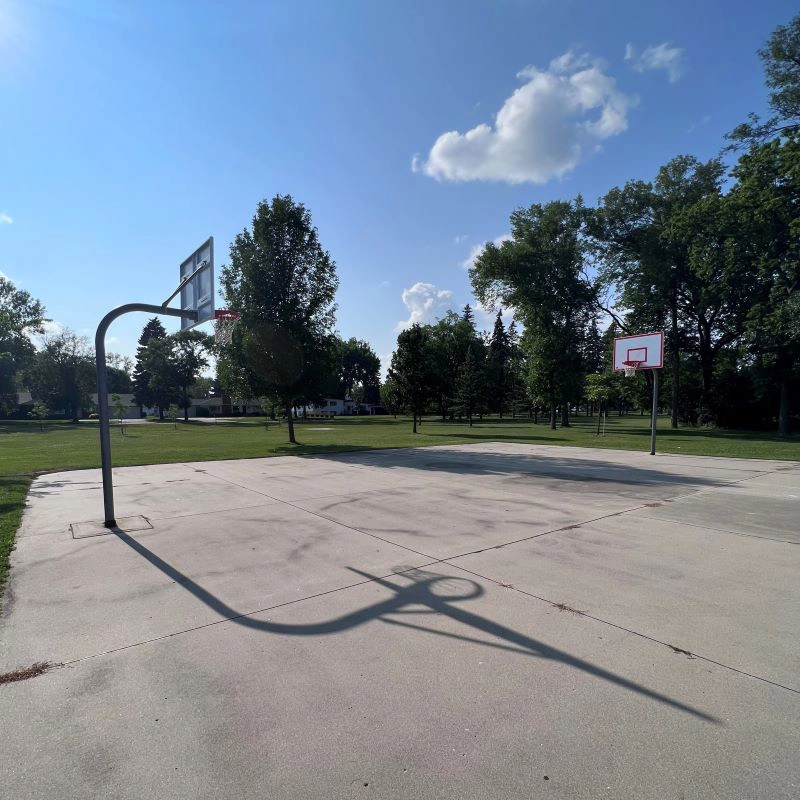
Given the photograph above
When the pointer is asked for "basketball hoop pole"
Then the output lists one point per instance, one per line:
(654, 414)
(102, 393)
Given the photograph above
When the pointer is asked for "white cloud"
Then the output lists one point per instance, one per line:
(460, 239)
(385, 283)
(386, 362)
(542, 130)
(424, 302)
(661, 56)
(477, 249)
(5, 219)
(52, 327)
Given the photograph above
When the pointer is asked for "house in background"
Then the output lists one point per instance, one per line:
(132, 407)
(334, 406)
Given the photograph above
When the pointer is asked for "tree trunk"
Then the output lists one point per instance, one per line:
(565, 415)
(290, 423)
(676, 362)
(469, 417)
(599, 417)
(414, 418)
(552, 415)
(784, 422)
(161, 413)
(185, 406)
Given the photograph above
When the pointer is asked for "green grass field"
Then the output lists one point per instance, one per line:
(25, 450)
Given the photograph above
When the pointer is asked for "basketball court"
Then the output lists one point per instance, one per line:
(481, 621)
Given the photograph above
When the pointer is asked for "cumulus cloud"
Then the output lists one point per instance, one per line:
(424, 302)
(542, 130)
(661, 56)
(5, 219)
(477, 249)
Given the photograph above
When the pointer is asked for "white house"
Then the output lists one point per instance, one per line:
(331, 405)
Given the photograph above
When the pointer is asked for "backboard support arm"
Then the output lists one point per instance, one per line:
(102, 392)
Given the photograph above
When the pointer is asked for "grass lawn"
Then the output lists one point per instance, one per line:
(26, 450)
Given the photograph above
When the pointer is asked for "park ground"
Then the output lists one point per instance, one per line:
(495, 620)
(26, 450)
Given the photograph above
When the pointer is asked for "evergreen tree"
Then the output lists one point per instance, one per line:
(497, 367)
(142, 392)
(515, 369)
(470, 387)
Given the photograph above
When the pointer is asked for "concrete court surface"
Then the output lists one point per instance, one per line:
(481, 621)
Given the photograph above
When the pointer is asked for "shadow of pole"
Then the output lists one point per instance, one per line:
(425, 591)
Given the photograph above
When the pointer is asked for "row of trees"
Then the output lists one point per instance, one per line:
(449, 366)
(708, 252)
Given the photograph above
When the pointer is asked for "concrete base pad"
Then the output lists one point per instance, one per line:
(488, 621)
(82, 530)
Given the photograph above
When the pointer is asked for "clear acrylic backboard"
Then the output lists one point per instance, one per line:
(198, 293)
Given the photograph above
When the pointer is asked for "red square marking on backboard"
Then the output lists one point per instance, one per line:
(637, 354)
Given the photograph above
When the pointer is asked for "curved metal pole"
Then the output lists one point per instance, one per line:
(102, 393)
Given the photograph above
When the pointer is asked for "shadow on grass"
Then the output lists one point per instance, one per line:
(426, 593)
(18, 426)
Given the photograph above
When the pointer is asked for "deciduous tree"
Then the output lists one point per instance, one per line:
(283, 284)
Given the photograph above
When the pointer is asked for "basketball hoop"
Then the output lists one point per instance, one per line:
(224, 323)
(630, 367)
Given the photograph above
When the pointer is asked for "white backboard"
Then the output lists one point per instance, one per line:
(647, 348)
(198, 294)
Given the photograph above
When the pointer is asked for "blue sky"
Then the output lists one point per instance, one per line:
(131, 131)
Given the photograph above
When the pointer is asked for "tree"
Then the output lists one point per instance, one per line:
(203, 387)
(159, 366)
(765, 224)
(283, 284)
(141, 377)
(599, 387)
(188, 359)
(173, 412)
(641, 236)
(20, 317)
(540, 273)
(62, 373)
(39, 411)
(781, 58)
(515, 368)
(449, 339)
(470, 387)
(390, 396)
(358, 370)
(411, 370)
(497, 366)
(120, 408)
